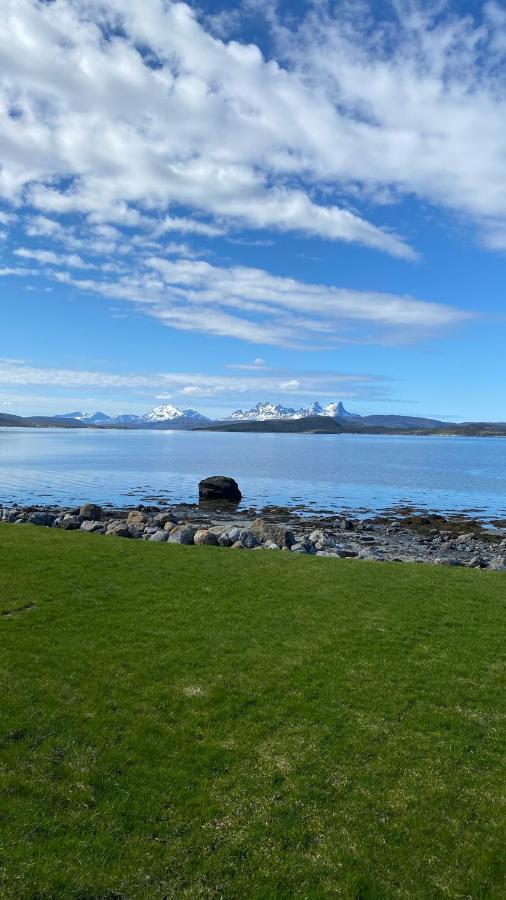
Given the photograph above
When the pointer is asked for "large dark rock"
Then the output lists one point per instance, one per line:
(219, 487)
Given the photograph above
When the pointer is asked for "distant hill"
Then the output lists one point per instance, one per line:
(8, 420)
(309, 424)
(326, 425)
(402, 421)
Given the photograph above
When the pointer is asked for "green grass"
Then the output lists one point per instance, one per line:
(196, 722)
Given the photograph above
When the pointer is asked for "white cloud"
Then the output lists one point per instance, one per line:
(48, 257)
(254, 306)
(89, 124)
(412, 106)
(419, 101)
(258, 364)
(18, 374)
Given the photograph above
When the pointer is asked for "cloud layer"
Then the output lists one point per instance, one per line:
(118, 110)
(263, 383)
(244, 302)
(125, 124)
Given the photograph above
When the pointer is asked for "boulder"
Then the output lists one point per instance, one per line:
(248, 539)
(137, 517)
(120, 528)
(162, 519)
(90, 526)
(202, 536)
(159, 537)
(182, 534)
(41, 518)
(219, 487)
(90, 511)
(70, 523)
(267, 532)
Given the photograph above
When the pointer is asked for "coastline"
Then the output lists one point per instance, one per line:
(402, 535)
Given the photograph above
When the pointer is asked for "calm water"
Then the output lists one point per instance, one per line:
(319, 471)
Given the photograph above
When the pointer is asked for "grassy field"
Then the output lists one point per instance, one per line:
(197, 722)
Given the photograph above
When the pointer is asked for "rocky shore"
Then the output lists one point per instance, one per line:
(406, 536)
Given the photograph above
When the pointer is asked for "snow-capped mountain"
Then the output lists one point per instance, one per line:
(165, 413)
(265, 410)
(89, 418)
(169, 413)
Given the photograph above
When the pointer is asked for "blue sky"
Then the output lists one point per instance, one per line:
(214, 205)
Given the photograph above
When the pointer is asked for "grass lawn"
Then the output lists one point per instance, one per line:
(197, 722)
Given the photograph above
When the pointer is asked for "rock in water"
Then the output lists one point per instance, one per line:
(219, 487)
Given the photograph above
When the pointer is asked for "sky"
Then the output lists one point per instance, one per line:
(211, 205)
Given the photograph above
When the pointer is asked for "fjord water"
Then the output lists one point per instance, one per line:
(331, 472)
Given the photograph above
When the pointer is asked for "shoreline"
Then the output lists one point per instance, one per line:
(402, 535)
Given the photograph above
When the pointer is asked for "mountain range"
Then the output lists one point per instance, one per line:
(262, 412)
(160, 414)
(331, 418)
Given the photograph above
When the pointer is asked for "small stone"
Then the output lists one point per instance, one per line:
(477, 562)
(498, 564)
(366, 554)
